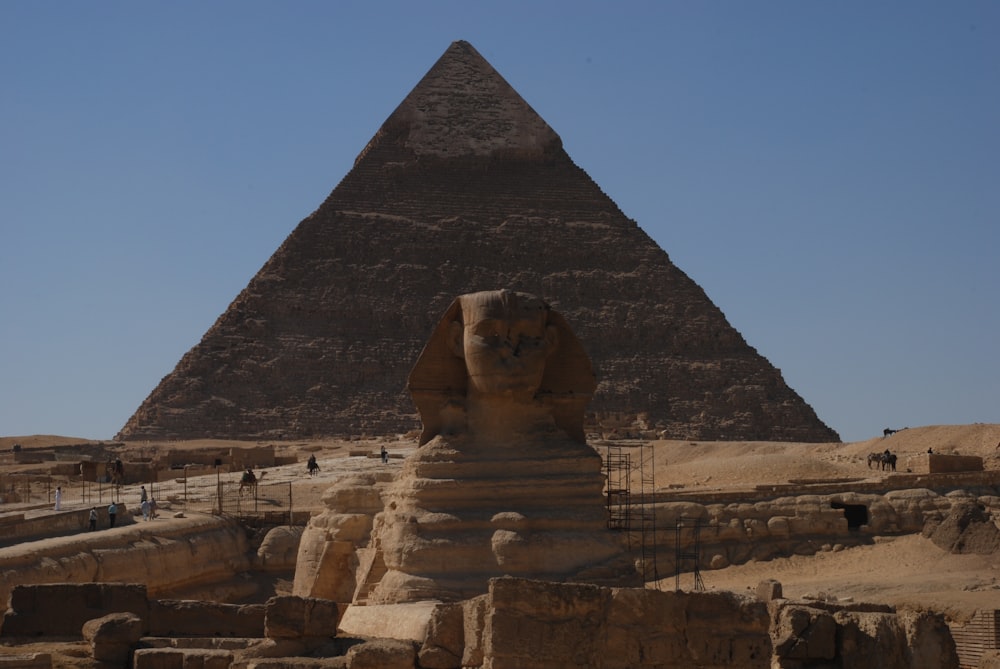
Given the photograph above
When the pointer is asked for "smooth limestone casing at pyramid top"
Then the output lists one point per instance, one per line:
(465, 188)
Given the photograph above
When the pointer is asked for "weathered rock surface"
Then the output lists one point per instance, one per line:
(502, 484)
(165, 555)
(113, 637)
(297, 617)
(735, 533)
(464, 185)
(968, 528)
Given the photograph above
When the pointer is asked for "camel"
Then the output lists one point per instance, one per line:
(115, 472)
(250, 481)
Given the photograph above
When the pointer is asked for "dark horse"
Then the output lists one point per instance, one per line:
(312, 465)
(887, 432)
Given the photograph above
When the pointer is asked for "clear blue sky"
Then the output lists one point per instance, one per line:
(829, 173)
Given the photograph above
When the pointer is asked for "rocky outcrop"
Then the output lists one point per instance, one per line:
(464, 185)
(166, 556)
(862, 636)
(806, 524)
(968, 528)
(113, 637)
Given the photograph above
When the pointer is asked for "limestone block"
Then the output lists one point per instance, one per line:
(325, 567)
(26, 661)
(669, 513)
(112, 637)
(61, 609)
(354, 494)
(408, 622)
(279, 549)
(742, 642)
(291, 617)
(929, 641)
(871, 640)
(756, 529)
(769, 590)
(803, 633)
(181, 658)
(474, 613)
(382, 654)
(171, 617)
(633, 642)
(538, 623)
(778, 526)
(444, 643)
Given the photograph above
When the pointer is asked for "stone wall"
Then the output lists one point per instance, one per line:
(19, 527)
(736, 532)
(524, 624)
(164, 556)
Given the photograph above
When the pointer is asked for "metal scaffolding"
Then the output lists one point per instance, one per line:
(630, 495)
(689, 552)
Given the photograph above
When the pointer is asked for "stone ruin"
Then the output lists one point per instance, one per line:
(465, 187)
(503, 483)
(489, 548)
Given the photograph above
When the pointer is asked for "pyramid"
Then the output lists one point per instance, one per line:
(465, 188)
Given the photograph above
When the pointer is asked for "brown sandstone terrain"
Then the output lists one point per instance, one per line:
(908, 570)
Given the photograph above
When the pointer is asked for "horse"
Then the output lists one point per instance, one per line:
(874, 458)
(312, 465)
(888, 432)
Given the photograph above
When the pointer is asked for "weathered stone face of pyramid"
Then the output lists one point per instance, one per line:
(465, 188)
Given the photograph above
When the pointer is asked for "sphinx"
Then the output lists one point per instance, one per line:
(503, 481)
(505, 361)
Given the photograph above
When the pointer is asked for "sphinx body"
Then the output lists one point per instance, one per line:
(503, 482)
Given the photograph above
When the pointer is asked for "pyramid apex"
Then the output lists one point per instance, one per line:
(464, 107)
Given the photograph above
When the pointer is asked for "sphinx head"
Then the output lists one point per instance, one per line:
(501, 347)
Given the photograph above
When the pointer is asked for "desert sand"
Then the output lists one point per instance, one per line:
(908, 570)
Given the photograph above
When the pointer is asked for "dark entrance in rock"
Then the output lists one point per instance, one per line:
(856, 514)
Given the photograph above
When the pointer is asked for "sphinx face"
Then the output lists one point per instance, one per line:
(505, 341)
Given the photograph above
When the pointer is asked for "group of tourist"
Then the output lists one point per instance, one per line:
(146, 504)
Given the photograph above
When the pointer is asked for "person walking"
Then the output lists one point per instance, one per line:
(58, 498)
(152, 508)
(142, 494)
(145, 509)
(112, 514)
(93, 519)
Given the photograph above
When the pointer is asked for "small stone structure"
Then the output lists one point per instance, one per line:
(943, 463)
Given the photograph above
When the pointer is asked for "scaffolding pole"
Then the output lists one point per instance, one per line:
(689, 553)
